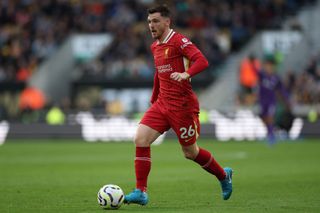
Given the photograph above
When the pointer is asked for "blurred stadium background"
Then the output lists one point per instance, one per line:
(82, 69)
(75, 70)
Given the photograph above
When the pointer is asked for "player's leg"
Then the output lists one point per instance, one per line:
(267, 115)
(205, 159)
(187, 128)
(144, 138)
(268, 120)
(152, 125)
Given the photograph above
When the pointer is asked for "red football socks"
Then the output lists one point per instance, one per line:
(142, 164)
(206, 160)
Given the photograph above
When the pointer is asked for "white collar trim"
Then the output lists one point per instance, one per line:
(168, 37)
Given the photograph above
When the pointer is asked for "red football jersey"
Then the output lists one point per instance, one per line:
(176, 54)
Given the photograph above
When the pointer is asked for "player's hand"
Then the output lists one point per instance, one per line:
(179, 76)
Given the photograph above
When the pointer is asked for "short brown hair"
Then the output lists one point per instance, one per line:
(162, 9)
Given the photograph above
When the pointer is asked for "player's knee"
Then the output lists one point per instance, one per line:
(189, 154)
(141, 142)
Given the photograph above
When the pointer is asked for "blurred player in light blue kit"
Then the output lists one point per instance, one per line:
(270, 88)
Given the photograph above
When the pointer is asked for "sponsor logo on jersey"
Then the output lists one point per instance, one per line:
(164, 68)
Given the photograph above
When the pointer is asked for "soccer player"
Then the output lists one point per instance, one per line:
(270, 86)
(174, 105)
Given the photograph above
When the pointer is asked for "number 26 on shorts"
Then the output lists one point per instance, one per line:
(187, 133)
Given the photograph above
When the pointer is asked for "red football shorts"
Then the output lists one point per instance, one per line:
(185, 124)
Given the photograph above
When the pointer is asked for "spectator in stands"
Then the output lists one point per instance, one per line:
(31, 31)
(249, 78)
(305, 87)
(34, 29)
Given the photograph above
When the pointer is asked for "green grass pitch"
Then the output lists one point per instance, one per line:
(64, 176)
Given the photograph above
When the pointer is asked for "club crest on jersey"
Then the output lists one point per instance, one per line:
(166, 52)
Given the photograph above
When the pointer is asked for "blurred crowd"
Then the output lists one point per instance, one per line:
(303, 86)
(216, 27)
(31, 31)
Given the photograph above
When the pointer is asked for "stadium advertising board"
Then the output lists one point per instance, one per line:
(117, 128)
(243, 125)
(4, 129)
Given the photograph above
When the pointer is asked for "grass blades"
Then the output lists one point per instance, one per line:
(65, 175)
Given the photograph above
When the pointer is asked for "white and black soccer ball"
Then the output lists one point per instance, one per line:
(110, 196)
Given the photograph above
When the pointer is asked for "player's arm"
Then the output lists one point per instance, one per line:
(155, 90)
(199, 63)
(194, 55)
(156, 84)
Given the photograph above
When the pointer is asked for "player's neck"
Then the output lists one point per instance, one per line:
(165, 35)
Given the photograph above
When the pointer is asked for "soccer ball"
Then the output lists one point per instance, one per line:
(110, 196)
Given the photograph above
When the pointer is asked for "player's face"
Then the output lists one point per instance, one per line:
(158, 25)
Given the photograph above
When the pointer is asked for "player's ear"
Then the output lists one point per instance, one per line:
(168, 22)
